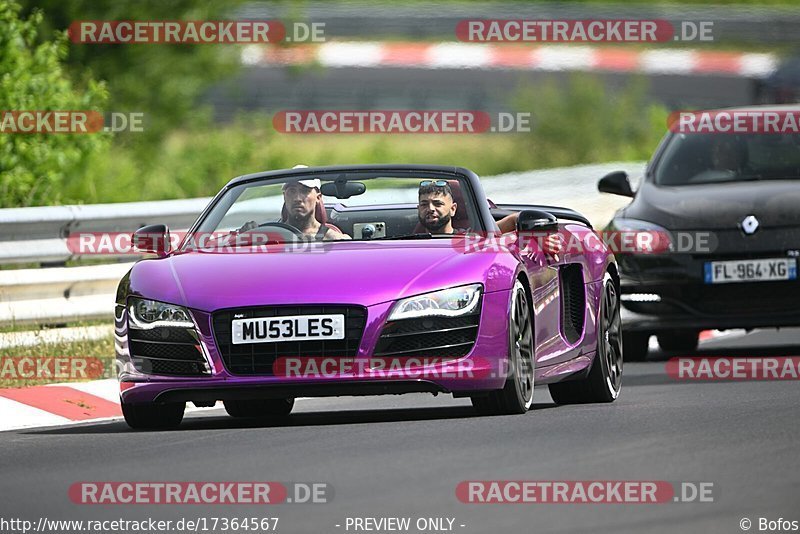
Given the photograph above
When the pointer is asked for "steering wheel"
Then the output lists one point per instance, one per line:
(288, 228)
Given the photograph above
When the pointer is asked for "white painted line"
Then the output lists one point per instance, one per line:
(14, 415)
(757, 65)
(107, 389)
(558, 58)
(668, 61)
(458, 55)
(350, 54)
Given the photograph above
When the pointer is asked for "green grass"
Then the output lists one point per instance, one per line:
(102, 349)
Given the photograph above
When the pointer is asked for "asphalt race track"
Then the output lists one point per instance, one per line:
(404, 456)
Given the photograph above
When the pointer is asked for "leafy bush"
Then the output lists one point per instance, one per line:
(34, 167)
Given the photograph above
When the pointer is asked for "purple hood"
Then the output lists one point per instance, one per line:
(364, 273)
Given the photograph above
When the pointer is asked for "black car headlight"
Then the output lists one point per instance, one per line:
(146, 314)
(452, 302)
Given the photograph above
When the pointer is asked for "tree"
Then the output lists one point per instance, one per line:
(164, 81)
(33, 167)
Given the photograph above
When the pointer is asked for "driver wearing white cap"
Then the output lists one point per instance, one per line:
(300, 199)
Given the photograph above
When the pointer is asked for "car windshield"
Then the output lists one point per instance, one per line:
(691, 159)
(357, 206)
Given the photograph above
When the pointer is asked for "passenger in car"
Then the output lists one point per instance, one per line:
(437, 209)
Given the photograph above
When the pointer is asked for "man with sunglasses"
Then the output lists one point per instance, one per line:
(437, 208)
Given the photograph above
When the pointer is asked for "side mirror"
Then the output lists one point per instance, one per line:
(153, 238)
(536, 221)
(616, 183)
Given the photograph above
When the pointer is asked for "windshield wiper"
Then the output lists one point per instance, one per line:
(403, 236)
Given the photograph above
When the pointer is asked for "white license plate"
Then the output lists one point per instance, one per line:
(288, 328)
(722, 272)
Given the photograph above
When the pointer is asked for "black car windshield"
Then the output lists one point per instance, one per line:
(342, 207)
(691, 159)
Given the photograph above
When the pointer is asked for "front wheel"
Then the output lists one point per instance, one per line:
(605, 377)
(516, 397)
(153, 416)
(260, 408)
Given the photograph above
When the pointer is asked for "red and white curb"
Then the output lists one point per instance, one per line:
(62, 404)
(515, 57)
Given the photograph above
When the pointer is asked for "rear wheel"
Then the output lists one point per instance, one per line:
(605, 377)
(260, 408)
(678, 340)
(153, 416)
(635, 345)
(516, 397)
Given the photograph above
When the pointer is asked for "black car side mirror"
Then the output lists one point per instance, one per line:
(153, 238)
(616, 183)
(536, 221)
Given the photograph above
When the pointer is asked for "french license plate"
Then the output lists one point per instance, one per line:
(288, 328)
(766, 270)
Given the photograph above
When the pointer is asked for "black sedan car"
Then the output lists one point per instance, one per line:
(729, 206)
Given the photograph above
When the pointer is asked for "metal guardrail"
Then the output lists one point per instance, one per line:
(39, 234)
(57, 295)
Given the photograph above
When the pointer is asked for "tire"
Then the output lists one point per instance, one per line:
(604, 381)
(678, 340)
(153, 416)
(260, 408)
(635, 346)
(516, 397)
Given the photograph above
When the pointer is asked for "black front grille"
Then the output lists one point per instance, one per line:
(257, 358)
(167, 351)
(165, 334)
(444, 337)
(168, 367)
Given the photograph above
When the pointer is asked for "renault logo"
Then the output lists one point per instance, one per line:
(749, 224)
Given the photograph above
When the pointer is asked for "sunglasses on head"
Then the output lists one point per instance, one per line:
(437, 183)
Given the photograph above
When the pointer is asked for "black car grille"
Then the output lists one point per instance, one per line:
(258, 358)
(167, 351)
(444, 337)
(735, 299)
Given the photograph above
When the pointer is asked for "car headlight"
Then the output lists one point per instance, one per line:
(635, 235)
(451, 302)
(145, 314)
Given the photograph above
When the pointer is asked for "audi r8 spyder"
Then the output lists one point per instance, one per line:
(728, 204)
(370, 296)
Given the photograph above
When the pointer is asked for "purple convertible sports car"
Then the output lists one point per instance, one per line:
(365, 280)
